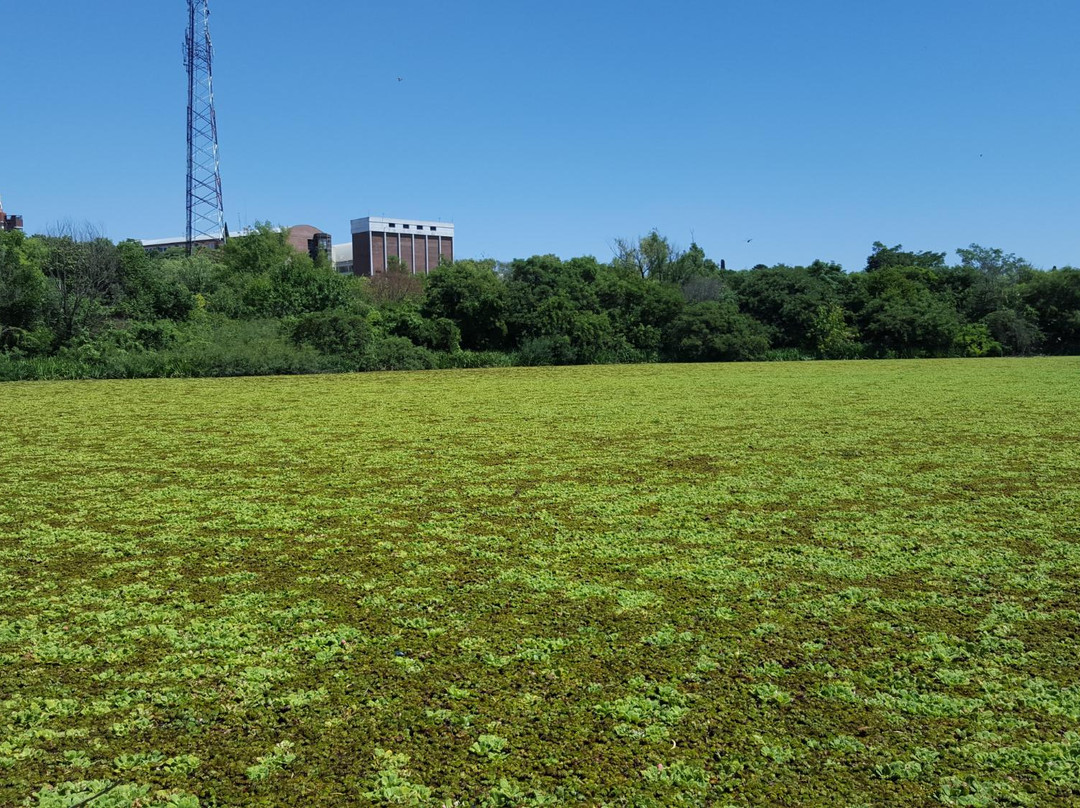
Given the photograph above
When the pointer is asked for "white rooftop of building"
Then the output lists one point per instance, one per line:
(168, 242)
(386, 224)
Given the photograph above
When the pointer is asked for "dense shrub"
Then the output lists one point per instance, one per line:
(334, 332)
(715, 332)
(475, 359)
(398, 353)
(438, 334)
(469, 294)
(787, 355)
(99, 310)
(1054, 298)
(975, 339)
(555, 350)
(1016, 332)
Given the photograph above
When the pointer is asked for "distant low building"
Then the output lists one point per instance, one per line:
(11, 222)
(420, 245)
(341, 255)
(311, 240)
(164, 244)
(304, 238)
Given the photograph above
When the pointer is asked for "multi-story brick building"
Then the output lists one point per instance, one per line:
(419, 245)
(11, 222)
(311, 240)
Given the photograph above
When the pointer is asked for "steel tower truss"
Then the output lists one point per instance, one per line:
(205, 211)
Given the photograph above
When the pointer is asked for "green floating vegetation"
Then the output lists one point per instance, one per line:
(814, 584)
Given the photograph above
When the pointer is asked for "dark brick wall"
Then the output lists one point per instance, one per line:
(419, 251)
(432, 252)
(378, 253)
(361, 252)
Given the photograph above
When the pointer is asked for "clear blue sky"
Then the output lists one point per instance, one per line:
(812, 128)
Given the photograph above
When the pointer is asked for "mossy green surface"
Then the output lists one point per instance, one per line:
(813, 584)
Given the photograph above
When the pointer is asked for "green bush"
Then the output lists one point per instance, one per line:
(154, 335)
(715, 332)
(438, 334)
(975, 339)
(1016, 332)
(334, 332)
(554, 350)
(398, 353)
(786, 355)
(474, 359)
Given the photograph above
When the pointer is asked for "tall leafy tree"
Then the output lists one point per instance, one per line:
(883, 257)
(787, 300)
(902, 315)
(84, 271)
(262, 275)
(637, 308)
(715, 332)
(24, 288)
(995, 279)
(398, 284)
(470, 295)
(544, 294)
(1054, 298)
(151, 286)
(832, 335)
(652, 256)
(1016, 332)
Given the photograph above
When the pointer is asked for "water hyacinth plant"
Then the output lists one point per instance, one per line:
(791, 583)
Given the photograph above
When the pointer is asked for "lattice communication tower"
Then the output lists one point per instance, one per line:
(205, 211)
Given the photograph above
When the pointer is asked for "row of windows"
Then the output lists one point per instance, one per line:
(418, 227)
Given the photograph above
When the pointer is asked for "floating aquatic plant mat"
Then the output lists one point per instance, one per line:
(812, 584)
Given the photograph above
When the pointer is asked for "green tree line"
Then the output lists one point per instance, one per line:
(74, 305)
